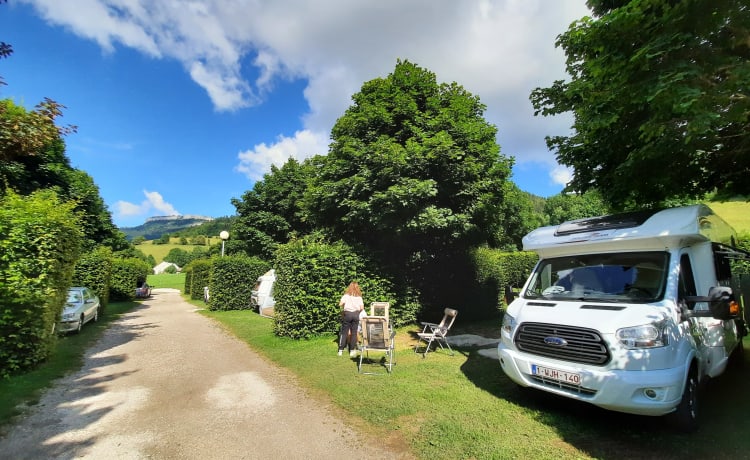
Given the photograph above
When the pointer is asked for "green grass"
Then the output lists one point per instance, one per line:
(25, 390)
(463, 406)
(167, 280)
(159, 251)
(736, 213)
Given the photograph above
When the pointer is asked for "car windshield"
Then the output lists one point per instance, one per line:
(74, 297)
(622, 277)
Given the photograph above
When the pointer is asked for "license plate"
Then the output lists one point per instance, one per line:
(555, 374)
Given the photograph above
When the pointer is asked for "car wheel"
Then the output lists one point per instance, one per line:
(79, 326)
(685, 417)
(96, 315)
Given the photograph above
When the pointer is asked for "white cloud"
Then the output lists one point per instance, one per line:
(154, 204)
(499, 50)
(254, 163)
(561, 175)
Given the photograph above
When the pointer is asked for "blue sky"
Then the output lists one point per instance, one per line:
(182, 105)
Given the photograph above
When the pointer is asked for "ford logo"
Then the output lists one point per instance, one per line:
(556, 341)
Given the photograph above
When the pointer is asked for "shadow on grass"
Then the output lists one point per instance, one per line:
(612, 435)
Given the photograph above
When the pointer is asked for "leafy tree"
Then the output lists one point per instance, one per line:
(414, 173)
(178, 256)
(198, 240)
(24, 133)
(659, 92)
(564, 207)
(40, 163)
(270, 214)
(522, 213)
(163, 239)
(213, 227)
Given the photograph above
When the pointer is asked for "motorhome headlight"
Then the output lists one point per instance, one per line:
(645, 336)
(509, 323)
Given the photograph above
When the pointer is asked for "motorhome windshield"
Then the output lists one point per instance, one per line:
(617, 277)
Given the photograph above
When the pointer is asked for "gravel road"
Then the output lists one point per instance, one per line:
(165, 382)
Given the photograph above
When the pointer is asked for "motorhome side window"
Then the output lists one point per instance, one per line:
(614, 277)
(723, 266)
(686, 283)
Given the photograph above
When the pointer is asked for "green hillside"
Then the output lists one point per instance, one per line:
(155, 227)
(736, 213)
(159, 251)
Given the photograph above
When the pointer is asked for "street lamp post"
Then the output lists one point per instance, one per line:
(224, 235)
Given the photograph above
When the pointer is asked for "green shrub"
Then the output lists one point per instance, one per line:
(199, 274)
(311, 277)
(232, 280)
(40, 240)
(126, 273)
(498, 269)
(94, 270)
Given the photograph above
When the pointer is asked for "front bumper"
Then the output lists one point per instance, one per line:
(67, 326)
(642, 392)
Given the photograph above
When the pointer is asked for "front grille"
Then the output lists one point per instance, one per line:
(582, 345)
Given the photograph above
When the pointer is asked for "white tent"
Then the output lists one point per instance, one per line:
(163, 266)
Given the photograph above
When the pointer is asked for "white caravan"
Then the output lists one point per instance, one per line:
(262, 295)
(629, 312)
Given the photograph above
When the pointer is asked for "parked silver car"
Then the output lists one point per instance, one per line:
(81, 307)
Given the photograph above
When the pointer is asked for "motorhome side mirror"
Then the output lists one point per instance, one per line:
(509, 294)
(721, 304)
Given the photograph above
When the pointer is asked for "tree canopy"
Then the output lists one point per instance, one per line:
(413, 170)
(659, 94)
(270, 213)
(32, 157)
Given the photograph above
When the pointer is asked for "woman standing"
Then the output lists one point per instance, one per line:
(352, 304)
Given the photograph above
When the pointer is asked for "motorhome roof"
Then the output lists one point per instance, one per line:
(647, 230)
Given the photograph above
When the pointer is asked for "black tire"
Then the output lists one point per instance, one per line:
(80, 324)
(737, 358)
(685, 417)
(96, 315)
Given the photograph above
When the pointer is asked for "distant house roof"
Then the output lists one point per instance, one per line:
(163, 266)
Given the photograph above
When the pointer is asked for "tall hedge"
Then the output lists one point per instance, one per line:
(232, 280)
(40, 240)
(497, 269)
(311, 277)
(126, 272)
(199, 275)
(94, 270)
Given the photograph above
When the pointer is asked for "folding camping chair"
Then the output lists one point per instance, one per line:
(377, 336)
(380, 309)
(437, 333)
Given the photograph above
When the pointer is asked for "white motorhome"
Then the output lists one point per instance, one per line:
(262, 295)
(628, 312)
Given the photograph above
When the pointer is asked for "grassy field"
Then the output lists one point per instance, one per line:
(159, 251)
(167, 280)
(463, 406)
(736, 213)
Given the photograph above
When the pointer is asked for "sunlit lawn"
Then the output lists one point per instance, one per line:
(736, 213)
(167, 280)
